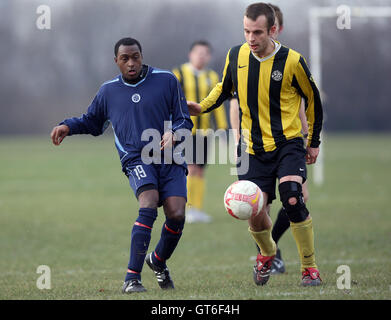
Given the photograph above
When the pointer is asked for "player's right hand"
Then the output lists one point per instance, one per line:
(59, 133)
(167, 140)
(194, 108)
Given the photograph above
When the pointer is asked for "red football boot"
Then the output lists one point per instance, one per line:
(262, 269)
(311, 277)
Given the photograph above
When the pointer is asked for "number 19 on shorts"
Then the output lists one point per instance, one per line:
(139, 171)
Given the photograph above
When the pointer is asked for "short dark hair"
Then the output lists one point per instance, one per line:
(201, 43)
(278, 14)
(253, 11)
(126, 42)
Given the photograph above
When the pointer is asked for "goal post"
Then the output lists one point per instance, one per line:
(315, 53)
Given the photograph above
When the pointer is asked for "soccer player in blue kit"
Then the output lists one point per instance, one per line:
(142, 98)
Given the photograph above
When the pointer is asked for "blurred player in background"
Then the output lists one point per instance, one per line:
(142, 98)
(270, 80)
(197, 81)
(282, 222)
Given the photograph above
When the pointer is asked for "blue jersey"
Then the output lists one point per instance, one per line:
(133, 108)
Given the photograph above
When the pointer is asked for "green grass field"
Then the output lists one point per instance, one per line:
(71, 208)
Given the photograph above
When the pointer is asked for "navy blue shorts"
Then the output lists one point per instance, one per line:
(266, 167)
(200, 149)
(168, 179)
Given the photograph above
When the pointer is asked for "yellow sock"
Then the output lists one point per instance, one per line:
(304, 237)
(265, 241)
(190, 191)
(195, 191)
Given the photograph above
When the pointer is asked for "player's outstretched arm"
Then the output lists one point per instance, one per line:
(59, 133)
(194, 108)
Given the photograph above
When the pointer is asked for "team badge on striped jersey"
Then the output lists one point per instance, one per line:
(277, 75)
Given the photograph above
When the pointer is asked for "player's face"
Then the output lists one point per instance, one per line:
(199, 56)
(130, 61)
(256, 34)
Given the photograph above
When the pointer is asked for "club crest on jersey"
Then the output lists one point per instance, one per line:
(277, 75)
(136, 98)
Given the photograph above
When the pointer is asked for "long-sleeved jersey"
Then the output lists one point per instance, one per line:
(269, 91)
(134, 108)
(196, 85)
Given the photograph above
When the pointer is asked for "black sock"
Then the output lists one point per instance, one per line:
(140, 238)
(171, 233)
(281, 225)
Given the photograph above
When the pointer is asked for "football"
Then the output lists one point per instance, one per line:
(243, 199)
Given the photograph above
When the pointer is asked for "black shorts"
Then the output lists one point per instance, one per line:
(200, 151)
(264, 168)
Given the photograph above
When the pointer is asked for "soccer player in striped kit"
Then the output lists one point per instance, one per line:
(142, 98)
(197, 81)
(270, 80)
(281, 223)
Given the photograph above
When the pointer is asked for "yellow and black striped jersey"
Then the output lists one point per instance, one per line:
(196, 85)
(269, 91)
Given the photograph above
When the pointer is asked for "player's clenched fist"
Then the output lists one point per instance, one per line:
(59, 133)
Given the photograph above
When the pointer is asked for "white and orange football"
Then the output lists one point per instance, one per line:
(243, 199)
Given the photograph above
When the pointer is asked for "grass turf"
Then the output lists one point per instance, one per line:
(71, 208)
